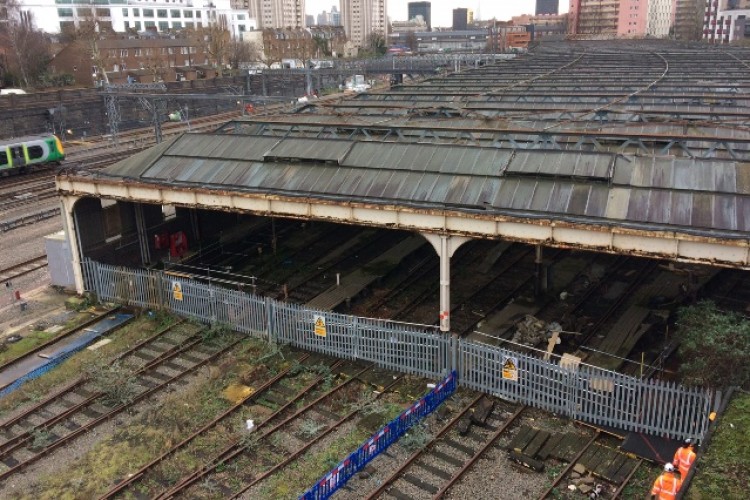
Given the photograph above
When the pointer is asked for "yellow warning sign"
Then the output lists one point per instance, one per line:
(177, 290)
(320, 325)
(510, 368)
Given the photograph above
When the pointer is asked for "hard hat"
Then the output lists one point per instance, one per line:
(688, 442)
(668, 468)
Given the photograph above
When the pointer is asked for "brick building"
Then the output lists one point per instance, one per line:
(136, 59)
(332, 41)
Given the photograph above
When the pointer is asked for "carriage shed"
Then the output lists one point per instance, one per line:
(209, 184)
(623, 147)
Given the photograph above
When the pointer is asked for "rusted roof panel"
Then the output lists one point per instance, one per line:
(579, 199)
(505, 194)
(597, 203)
(309, 149)
(428, 157)
(560, 197)
(743, 178)
(523, 195)
(165, 168)
(455, 190)
(542, 195)
(638, 206)
(702, 214)
(659, 207)
(222, 146)
(558, 164)
(617, 203)
(743, 213)
(682, 208)
(136, 165)
(725, 212)
(426, 187)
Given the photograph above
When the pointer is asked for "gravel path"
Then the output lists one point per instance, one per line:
(17, 246)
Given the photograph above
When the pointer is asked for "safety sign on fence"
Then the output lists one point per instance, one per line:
(380, 441)
(177, 290)
(510, 368)
(320, 325)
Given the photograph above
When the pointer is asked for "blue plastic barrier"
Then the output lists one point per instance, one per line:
(380, 441)
(76, 345)
(36, 373)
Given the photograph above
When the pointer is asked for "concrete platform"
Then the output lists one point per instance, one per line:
(68, 345)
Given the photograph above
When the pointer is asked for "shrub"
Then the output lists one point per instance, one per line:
(114, 380)
(714, 346)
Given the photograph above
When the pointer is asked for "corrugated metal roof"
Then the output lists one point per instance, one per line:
(136, 165)
(668, 192)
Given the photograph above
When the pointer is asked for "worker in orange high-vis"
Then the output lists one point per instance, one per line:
(684, 458)
(667, 485)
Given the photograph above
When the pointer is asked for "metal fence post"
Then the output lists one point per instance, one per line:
(98, 281)
(270, 323)
(211, 305)
(357, 336)
(453, 353)
(159, 285)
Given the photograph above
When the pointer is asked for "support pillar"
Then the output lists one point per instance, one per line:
(445, 246)
(140, 224)
(71, 233)
(274, 241)
(195, 224)
(540, 273)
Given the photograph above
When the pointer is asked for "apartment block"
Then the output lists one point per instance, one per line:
(726, 21)
(361, 18)
(278, 13)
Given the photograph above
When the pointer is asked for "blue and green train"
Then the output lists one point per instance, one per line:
(22, 154)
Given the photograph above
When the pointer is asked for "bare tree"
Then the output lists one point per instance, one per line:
(321, 46)
(87, 37)
(239, 52)
(376, 44)
(26, 49)
(214, 40)
(155, 63)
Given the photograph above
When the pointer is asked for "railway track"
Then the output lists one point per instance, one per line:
(431, 470)
(153, 365)
(600, 458)
(285, 386)
(23, 268)
(286, 437)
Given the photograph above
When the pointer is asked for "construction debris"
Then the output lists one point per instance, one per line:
(534, 331)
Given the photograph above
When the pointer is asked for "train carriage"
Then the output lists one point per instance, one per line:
(21, 154)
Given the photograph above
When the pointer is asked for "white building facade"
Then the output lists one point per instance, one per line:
(54, 16)
(727, 26)
(661, 15)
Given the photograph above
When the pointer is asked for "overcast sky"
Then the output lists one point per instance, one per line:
(442, 10)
